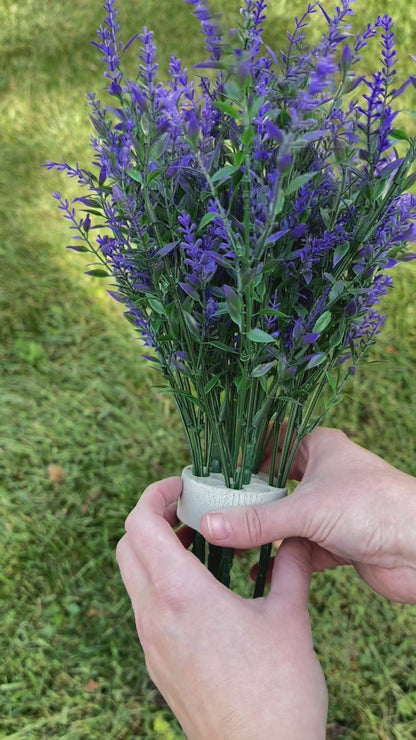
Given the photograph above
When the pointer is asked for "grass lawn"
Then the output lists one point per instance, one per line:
(83, 429)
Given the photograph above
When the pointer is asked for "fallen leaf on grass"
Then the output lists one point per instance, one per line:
(56, 473)
(92, 686)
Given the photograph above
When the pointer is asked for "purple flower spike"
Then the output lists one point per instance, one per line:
(210, 29)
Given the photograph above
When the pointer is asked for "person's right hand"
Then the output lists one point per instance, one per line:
(354, 506)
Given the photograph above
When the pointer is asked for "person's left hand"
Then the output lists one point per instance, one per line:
(229, 668)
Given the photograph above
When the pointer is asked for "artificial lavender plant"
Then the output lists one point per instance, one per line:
(248, 217)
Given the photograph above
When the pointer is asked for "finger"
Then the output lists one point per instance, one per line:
(252, 526)
(132, 572)
(158, 499)
(292, 572)
(162, 497)
(171, 515)
(149, 528)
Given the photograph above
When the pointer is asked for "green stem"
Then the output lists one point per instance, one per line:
(290, 430)
(265, 551)
(198, 547)
(272, 472)
(220, 561)
(273, 405)
(264, 561)
(221, 444)
(224, 572)
(214, 559)
(247, 417)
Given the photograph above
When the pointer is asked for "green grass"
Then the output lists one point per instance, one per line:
(75, 393)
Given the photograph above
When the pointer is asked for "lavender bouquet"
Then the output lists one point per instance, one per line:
(248, 218)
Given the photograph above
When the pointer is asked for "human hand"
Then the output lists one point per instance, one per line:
(228, 668)
(355, 507)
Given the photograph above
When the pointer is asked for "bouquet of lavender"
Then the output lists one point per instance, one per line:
(248, 218)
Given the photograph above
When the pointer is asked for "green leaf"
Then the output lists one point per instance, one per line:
(332, 384)
(258, 417)
(316, 360)
(135, 175)
(248, 136)
(156, 306)
(239, 158)
(90, 202)
(336, 290)
(322, 322)
(263, 369)
(285, 117)
(264, 384)
(298, 182)
(399, 134)
(206, 219)
(192, 325)
(152, 175)
(278, 205)
(234, 305)
(224, 174)
(211, 384)
(78, 248)
(98, 273)
(228, 109)
(273, 312)
(93, 212)
(340, 252)
(259, 336)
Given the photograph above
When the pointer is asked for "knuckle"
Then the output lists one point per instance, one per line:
(327, 436)
(132, 524)
(254, 525)
(167, 596)
(163, 624)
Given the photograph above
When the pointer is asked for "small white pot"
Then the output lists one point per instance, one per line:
(201, 495)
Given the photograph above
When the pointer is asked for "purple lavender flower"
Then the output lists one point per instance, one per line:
(111, 48)
(147, 56)
(210, 29)
(247, 218)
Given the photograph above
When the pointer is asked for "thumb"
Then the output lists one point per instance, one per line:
(250, 526)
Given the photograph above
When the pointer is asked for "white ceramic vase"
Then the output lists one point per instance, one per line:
(202, 495)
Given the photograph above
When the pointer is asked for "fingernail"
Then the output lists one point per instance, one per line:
(218, 527)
